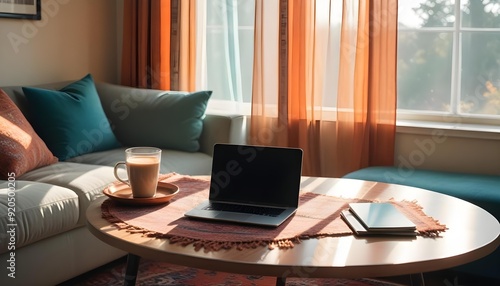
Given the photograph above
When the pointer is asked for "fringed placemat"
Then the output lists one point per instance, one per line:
(317, 216)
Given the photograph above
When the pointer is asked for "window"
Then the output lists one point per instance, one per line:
(449, 58)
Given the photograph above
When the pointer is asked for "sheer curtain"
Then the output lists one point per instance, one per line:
(231, 47)
(359, 130)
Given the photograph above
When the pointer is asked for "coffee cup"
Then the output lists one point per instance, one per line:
(143, 169)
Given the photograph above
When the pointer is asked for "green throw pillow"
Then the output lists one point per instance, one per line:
(71, 121)
(168, 120)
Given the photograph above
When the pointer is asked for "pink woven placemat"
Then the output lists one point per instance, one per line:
(317, 216)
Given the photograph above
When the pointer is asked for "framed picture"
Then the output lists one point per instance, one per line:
(24, 9)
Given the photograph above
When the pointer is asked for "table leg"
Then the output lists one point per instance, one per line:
(132, 268)
(418, 279)
(280, 281)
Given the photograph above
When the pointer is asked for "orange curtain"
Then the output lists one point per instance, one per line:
(159, 44)
(183, 45)
(361, 133)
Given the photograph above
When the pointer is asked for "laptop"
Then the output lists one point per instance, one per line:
(257, 185)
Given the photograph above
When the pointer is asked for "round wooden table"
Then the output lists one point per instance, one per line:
(472, 233)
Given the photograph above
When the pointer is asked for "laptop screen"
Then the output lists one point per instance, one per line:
(256, 175)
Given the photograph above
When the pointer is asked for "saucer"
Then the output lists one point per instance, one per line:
(123, 194)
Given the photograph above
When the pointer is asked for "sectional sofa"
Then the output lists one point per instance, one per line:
(58, 145)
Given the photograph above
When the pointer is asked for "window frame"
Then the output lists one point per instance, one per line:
(465, 121)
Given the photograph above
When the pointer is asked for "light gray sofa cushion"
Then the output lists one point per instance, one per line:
(185, 163)
(157, 118)
(41, 210)
(86, 180)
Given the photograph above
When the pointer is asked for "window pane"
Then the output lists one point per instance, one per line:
(229, 50)
(480, 79)
(214, 12)
(426, 13)
(424, 70)
(246, 59)
(333, 58)
(407, 16)
(245, 11)
(217, 76)
(480, 13)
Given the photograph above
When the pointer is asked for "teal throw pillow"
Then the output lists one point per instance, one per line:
(70, 121)
(168, 120)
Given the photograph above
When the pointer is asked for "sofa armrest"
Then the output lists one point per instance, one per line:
(222, 128)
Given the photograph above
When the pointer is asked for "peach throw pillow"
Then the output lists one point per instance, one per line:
(21, 149)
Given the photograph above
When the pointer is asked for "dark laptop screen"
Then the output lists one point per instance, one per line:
(256, 175)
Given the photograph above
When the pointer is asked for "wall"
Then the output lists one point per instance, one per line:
(442, 149)
(74, 37)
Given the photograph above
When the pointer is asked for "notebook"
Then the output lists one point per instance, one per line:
(358, 228)
(381, 217)
(252, 184)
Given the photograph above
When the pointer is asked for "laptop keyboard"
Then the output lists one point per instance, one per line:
(273, 212)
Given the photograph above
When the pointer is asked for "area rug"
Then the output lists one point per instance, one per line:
(160, 273)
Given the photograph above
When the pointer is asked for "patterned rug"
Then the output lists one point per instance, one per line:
(317, 216)
(161, 273)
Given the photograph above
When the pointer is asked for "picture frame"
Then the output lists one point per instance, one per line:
(22, 9)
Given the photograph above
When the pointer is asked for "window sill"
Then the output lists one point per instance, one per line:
(476, 131)
(228, 107)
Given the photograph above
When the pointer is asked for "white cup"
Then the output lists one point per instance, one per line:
(143, 170)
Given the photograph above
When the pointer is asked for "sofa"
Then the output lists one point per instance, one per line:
(481, 190)
(58, 146)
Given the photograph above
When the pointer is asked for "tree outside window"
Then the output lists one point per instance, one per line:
(449, 57)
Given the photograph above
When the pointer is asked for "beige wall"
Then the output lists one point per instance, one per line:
(74, 37)
(448, 150)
